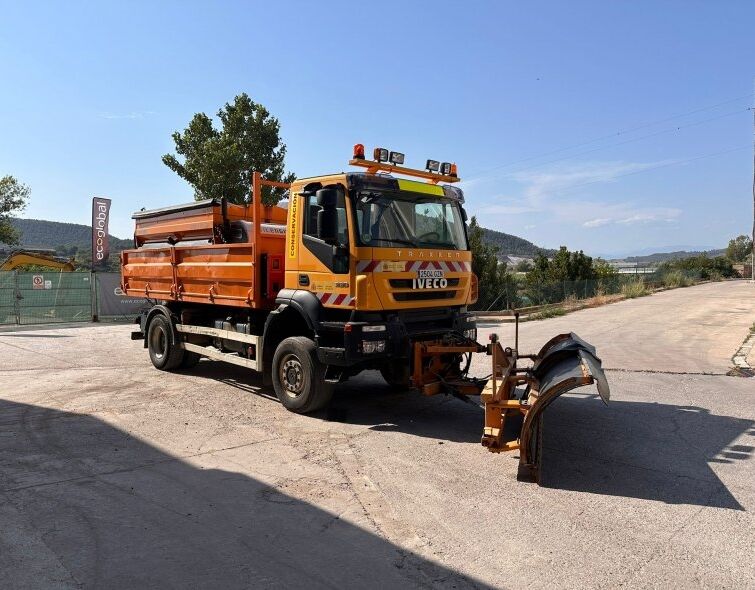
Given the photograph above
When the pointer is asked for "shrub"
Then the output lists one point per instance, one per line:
(675, 279)
(715, 275)
(634, 289)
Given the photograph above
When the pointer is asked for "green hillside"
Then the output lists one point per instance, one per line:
(71, 240)
(51, 234)
(513, 245)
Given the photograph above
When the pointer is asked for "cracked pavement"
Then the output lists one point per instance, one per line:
(116, 475)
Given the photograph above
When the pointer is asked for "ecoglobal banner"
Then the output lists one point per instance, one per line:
(100, 241)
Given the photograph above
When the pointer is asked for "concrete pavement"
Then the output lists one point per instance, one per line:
(115, 475)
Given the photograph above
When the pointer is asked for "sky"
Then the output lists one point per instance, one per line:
(612, 127)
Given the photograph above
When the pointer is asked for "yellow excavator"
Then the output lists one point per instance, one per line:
(37, 257)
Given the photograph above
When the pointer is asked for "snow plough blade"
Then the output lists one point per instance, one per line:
(516, 397)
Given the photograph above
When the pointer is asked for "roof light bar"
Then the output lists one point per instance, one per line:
(389, 161)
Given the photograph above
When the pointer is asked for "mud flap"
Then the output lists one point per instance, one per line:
(564, 363)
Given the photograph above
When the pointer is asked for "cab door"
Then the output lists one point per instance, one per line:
(324, 247)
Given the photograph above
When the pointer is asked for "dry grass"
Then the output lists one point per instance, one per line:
(635, 289)
(676, 279)
(548, 312)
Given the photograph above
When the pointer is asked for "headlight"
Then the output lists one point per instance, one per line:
(372, 346)
(471, 333)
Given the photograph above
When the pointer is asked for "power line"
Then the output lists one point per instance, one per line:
(654, 134)
(612, 135)
(674, 163)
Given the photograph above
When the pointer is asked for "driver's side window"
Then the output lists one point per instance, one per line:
(312, 209)
(331, 251)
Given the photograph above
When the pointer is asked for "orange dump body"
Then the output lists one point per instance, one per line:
(207, 252)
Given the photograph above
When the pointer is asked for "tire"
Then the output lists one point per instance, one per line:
(164, 355)
(299, 377)
(190, 359)
(397, 376)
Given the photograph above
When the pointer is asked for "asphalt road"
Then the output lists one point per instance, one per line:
(115, 475)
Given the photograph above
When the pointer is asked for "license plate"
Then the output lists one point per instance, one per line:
(431, 274)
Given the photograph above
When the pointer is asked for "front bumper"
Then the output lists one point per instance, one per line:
(343, 343)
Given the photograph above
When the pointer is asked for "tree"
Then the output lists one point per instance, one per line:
(564, 266)
(739, 249)
(13, 198)
(567, 274)
(219, 163)
(523, 266)
(497, 287)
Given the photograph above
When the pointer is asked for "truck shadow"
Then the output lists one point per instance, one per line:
(88, 505)
(642, 450)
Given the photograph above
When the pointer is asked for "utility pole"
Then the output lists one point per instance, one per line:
(752, 259)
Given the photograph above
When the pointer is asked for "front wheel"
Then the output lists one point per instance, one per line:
(396, 375)
(299, 377)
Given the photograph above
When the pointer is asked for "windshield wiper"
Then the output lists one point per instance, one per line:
(394, 241)
(441, 245)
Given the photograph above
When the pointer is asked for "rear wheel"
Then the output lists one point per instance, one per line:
(299, 377)
(164, 354)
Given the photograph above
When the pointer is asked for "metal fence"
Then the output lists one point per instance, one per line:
(522, 293)
(50, 297)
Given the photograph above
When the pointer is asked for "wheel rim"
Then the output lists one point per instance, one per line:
(159, 343)
(291, 374)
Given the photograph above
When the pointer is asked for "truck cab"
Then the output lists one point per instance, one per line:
(382, 262)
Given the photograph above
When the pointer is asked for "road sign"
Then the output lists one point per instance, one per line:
(38, 282)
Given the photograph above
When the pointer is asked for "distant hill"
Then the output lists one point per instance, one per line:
(513, 245)
(681, 254)
(69, 240)
(74, 240)
(51, 234)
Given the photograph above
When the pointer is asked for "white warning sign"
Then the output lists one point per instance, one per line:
(38, 282)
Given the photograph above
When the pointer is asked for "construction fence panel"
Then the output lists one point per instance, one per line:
(523, 293)
(8, 308)
(47, 297)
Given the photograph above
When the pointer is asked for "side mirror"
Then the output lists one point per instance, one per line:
(327, 225)
(327, 198)
(327, 217)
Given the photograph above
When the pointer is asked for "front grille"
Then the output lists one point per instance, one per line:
(424, 295)
(407, 283)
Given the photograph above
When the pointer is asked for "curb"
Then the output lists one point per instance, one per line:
(740, 357)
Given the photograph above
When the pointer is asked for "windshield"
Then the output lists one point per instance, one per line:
(409, 219)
